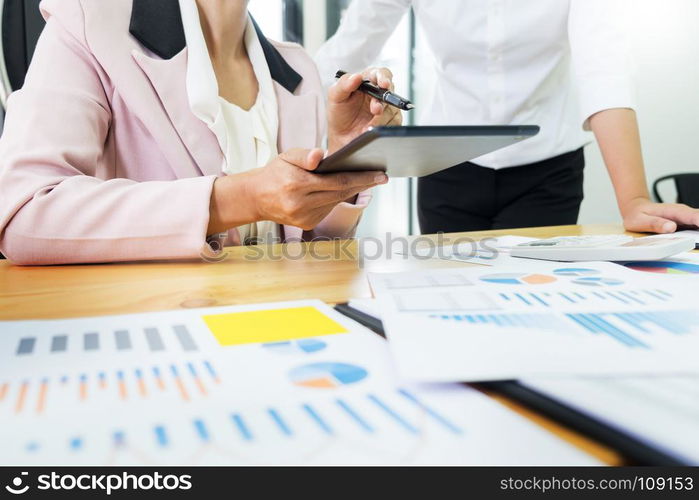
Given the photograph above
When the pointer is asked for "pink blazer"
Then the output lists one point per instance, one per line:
(102, 160)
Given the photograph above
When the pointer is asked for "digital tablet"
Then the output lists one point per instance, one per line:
(420, 151)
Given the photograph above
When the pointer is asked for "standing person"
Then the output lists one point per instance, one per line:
(560, 64)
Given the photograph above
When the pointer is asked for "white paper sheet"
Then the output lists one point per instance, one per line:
(544, 319)
(660, 411)
(160, 389)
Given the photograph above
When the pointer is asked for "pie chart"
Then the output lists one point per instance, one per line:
(598, 281)
(664, 267)
(518, 279)
(575, 271)
(327, 375)
(303, 346)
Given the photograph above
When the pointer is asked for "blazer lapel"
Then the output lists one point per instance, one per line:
(157, 25)
(294, 130)
(167, 78)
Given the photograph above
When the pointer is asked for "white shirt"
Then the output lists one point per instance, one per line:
(248, 138)
(552, 63)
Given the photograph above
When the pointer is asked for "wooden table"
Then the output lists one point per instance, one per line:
(329, 271)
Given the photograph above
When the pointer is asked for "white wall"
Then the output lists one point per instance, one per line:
(665, 47)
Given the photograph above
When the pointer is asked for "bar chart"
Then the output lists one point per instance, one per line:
(535, 321)
(630, 329)
(35, 395)
(557, 299)
(633, 329)
(151, 339)
(374, 416)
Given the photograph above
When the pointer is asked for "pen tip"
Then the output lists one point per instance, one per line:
(409, 107)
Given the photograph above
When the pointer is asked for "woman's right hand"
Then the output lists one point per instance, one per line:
(285, 191)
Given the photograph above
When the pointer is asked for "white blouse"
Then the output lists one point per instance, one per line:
(248, 139)
(552, 63)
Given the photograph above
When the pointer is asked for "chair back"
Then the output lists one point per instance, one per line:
(21, 24)
(687, 188)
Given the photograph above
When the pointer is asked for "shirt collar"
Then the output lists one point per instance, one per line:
(157, 25)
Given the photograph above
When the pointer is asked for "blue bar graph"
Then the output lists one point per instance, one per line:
(210, 369)
(76, 443)
(539, 299)
(352, 413)
(674, 322)
(397, 411)
(440, 419)
(522, 298)
(161, 436)
(242, 427)
(201, 430)
(277, 418)
(594, 323)
(567, 298)
(589, 298)
(657, 294)
(512, 320)
(119, 439)
(318, 419)
(394, 415)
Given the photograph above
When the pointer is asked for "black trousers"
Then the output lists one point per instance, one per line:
(472, 198)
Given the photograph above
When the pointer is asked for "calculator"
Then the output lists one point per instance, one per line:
(602, 248)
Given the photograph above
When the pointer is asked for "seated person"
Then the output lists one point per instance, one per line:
(147, 127)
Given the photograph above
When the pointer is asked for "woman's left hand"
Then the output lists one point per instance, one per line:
(351, 113)
(642, 215)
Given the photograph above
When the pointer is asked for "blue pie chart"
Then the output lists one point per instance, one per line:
(303, 346)
(575, 271)
(598, 281)
(327, 375)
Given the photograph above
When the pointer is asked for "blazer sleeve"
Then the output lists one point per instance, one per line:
(53, 207)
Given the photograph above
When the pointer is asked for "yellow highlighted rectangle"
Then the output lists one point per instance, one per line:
(276, 325)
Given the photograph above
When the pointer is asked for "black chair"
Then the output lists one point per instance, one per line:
(21, 24)
(687, 188)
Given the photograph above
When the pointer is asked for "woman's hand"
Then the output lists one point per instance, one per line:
(644, 216)
(351, 113)
(285, 191)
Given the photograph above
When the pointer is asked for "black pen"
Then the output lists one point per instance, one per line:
(382, 95)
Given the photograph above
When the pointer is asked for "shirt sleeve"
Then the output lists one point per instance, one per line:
(601, 62)
(365, 27)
